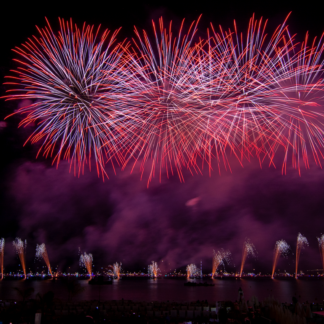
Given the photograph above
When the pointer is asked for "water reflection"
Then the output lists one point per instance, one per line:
(173, 289)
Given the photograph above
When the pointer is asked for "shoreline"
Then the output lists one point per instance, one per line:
(123, 277)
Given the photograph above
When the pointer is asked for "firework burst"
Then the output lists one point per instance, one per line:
(248, 249)
(281, 249)
(153, 269)
(75, 81)
(2, 245)
(20, 247)
(41, 253)
(172, 102)
(171, 133)
(301, 244)
(117, 269)
(265, 94)
(220, 257)
(86, 262)
(192, 270)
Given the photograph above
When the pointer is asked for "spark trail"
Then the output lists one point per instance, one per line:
(170, 133)
(153, 269)
(281, 249)
(301, 244)
(192, 270)
(86, 261)
(117, 269)
(75, 82)
(248, 249)
(266, 92)
(219, 258)
(171, 102)
(20, 247)
(41, 253)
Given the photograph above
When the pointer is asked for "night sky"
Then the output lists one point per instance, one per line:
(121, 219)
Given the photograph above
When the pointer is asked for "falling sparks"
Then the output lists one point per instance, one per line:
(86, 261)
(41, 253)
(248, 249)
(301, 244)
(220, 257)
(20, 247)
(281, 249)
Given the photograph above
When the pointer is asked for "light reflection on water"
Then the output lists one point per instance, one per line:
(172, 289)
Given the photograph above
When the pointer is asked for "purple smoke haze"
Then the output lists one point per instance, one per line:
(123, 220)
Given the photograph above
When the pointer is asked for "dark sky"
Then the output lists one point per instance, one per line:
(121, 219)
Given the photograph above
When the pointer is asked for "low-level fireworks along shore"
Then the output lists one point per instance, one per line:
(220, 259)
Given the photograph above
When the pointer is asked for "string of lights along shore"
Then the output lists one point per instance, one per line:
(220, 258)
(167, 100)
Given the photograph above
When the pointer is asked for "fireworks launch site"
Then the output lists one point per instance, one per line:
(161, 162)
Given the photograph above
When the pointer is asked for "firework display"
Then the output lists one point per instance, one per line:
(153, 269)
(248, 249)
(41, 253)
(219, 258)
(321, 247)
(64, 75)
(301, 244)
(86, 262)
(268, 92)
(117, 269)
(172, 102)
(164, 92)
(281, 249)
(20, 247)
(2, 245)
(192, 270)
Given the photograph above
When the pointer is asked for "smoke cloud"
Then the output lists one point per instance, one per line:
(122, 220)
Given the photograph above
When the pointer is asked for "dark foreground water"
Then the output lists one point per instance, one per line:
(174, 290)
